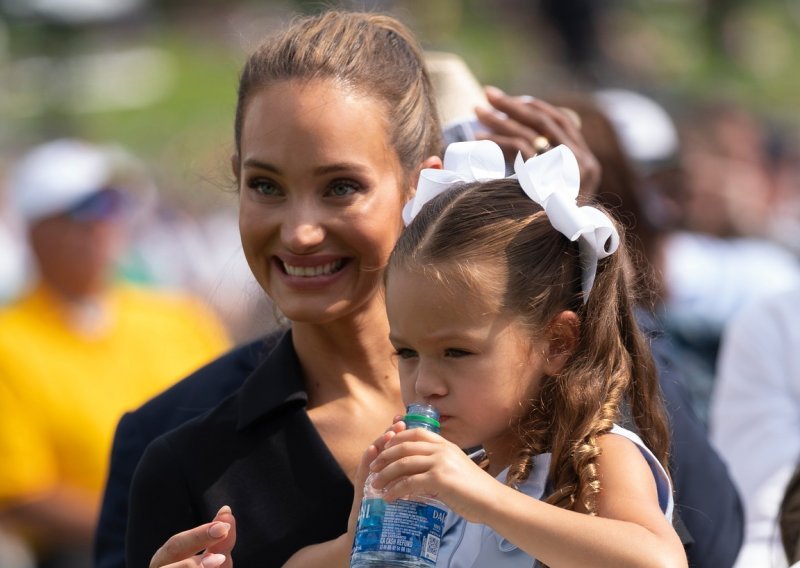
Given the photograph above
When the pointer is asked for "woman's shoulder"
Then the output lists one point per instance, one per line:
(251, 381)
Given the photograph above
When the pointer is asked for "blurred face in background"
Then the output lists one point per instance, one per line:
(728, 186)
(76, 250)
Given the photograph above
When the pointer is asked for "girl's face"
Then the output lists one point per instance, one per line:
(321, 195)
(479, 367)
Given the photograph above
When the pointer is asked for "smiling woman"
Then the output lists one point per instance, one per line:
(330, 140)
(318, 226)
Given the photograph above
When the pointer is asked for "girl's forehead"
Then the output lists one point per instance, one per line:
(477, 284)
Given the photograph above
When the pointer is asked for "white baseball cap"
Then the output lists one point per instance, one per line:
(645, 129)
(54, 177)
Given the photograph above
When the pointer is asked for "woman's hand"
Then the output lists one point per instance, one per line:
(531, 126)
(417, 463)
(216, 539)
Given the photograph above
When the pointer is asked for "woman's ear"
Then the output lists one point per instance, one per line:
(563, 333)
(431, 162)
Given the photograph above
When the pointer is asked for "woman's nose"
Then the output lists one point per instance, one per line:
(302, 229)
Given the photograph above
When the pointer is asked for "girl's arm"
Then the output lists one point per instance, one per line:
(333, 553)
(630, 529)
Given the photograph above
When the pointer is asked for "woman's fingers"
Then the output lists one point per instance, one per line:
(531, 126)
(215, 538)
(226, 544)
(200, 561)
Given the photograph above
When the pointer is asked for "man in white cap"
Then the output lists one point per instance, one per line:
(78, 349)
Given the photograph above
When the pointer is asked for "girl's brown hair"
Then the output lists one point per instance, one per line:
(491, 238)
(372, 54)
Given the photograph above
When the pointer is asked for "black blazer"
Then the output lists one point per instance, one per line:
(199, 392)
(706, 500)
(258, 452)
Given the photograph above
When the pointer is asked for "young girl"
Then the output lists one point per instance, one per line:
(510, 313)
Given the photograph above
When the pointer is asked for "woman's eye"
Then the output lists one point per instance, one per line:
(265, 187)
(405, 353)
(455, 353)
(343, 187)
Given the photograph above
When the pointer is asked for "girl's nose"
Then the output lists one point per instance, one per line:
(429, 383)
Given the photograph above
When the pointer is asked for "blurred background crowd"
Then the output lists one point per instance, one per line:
(702, 95)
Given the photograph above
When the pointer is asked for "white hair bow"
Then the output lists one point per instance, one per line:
(464, 162)
(551, 179)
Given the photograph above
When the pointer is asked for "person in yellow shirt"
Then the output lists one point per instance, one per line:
(79, 349)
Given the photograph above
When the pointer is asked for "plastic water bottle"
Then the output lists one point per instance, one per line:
(401, 534)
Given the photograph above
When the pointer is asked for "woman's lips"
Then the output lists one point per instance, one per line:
(306, 271)
(310, 273)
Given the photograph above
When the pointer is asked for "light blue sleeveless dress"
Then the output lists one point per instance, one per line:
(471, 545)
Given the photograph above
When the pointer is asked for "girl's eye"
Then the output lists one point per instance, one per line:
(264, 187)
(455, 353)
(405, 353)
(343, 187)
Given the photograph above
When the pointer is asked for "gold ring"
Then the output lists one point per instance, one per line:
(541, 144)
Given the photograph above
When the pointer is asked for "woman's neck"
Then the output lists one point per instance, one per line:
(349, 356)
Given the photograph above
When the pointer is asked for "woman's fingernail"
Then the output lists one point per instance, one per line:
(224, 509)
(219, 529)
(526, 98)
(493, 91)
(212, 561)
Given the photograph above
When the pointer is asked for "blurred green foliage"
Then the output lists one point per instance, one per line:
(683, 49)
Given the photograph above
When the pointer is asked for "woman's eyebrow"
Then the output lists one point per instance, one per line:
(339, 167)
(318, 171)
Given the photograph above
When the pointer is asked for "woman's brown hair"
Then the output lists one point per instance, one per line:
(490, 238)
(372, 54)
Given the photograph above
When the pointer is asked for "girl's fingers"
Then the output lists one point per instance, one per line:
(402, 456)
(397, 426)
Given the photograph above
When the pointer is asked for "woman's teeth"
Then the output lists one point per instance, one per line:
(321, 270)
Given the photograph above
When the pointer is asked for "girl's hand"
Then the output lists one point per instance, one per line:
(363, 470)
(531, 126)
(420, 463)
(216, 539)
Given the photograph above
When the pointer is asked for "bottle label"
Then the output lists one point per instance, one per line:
(405, 527)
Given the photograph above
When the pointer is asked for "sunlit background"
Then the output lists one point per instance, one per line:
(158, 77)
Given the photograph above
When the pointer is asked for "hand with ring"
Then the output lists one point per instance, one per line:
(532, 126)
